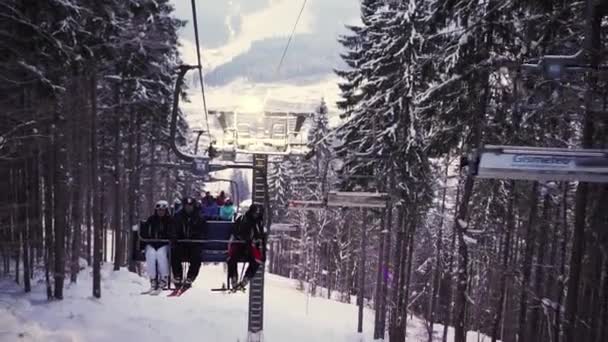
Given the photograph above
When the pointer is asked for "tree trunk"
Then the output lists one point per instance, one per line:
(97, 194)
(24, 222)
(553, 278)
(15, 241)
(500, 305)
(89, 217)
(152, 184)
(410, 256)
(379, 280)
(535, 322)
(132, 199)
(560, 284)
(60, 200)
(603, 323)
(527, 265)
(362, 270)
(77, 168)
(593, 44)
(49, 213)
(595, 264)
(449, 307)
(438, 261)
(463, 262)
(397, 319)
(117, 214)
(387, 255)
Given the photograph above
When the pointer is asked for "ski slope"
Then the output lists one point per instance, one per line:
(122, 314)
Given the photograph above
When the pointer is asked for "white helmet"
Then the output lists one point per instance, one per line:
(162, 205)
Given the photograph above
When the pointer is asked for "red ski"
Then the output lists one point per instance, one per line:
(175, 292)
(179, 291)
(183, 289)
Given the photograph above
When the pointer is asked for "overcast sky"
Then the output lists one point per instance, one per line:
(242, 42)
(245, 38)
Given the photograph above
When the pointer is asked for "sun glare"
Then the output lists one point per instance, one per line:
(251, 104)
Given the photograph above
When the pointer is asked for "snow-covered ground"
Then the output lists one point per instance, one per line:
(122, 314)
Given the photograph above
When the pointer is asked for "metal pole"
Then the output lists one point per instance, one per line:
(183, 69)
(188, 185)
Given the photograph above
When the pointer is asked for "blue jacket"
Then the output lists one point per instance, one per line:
(211, 211)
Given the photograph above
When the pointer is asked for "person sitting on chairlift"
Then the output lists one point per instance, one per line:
(247, 228)
(157, 227)
(210, 211)
(208, 199)
(221, 198)
(189, 225)
(227, 210)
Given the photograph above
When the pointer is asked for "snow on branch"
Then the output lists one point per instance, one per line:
(429, 93)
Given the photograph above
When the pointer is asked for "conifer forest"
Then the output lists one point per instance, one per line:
(87, 90)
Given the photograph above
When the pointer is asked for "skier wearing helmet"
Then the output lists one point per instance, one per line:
(189, 225)
(249, 229)
(157, 227)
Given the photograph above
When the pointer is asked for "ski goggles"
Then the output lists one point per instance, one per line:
(162, 206)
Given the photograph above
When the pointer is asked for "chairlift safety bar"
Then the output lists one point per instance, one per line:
(191, 240)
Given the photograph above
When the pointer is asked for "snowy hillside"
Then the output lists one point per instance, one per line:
(122, 314)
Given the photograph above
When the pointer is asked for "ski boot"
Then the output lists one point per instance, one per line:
(240, 286)
(163, 283)
(187, 284)
(233, 282)
(153, 286)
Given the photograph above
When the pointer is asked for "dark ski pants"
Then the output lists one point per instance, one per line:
(250, 252)
(186, 252)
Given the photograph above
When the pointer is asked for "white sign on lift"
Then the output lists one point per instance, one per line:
(283, 227)
(357, 199)
(200, 166)
(305, 205)
(541, 164)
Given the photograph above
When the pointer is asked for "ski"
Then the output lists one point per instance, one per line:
(225, 290)
(152, 292)
(156, 292)
(175, 292)
(182, 290)
(179, 291)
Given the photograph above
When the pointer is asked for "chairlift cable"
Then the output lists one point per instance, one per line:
(200, 66)
(280, 64)
(293, 30)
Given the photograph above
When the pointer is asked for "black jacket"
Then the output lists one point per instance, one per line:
(189, 226)
(157, 227)
(247, 228)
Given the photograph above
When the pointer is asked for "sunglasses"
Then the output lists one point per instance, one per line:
(161, 206)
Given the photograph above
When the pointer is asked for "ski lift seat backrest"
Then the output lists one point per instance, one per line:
(215, 247)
